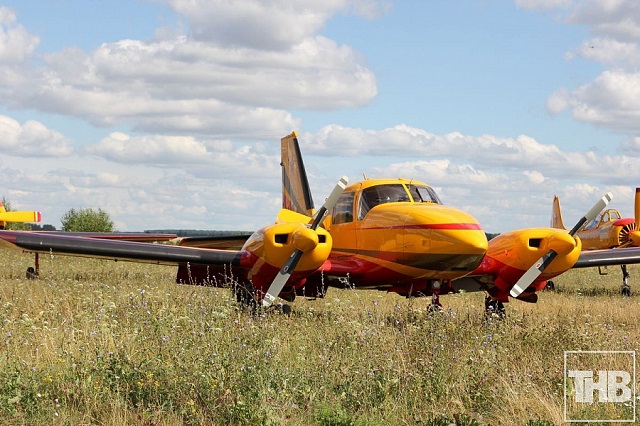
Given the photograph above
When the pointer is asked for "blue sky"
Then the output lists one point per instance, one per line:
(168, 113)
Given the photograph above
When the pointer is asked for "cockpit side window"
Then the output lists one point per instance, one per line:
(424, 194)
(343, 210)
(381, 194)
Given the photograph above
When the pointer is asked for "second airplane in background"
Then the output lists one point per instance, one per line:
(607, 230)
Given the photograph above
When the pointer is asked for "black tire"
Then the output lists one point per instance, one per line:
(31, 273)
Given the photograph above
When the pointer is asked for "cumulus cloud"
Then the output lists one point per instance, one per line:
(478, 152)
(610, 52)
(610, 100)
(204, 159)
(122, 148)
(31, 139)
(542, 4)
(241, 89)
(271, 25)
(16, 44)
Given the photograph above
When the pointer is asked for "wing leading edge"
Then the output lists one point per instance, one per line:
(608, 257)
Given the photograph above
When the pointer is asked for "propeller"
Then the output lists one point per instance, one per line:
(289, 266)
(538, 267)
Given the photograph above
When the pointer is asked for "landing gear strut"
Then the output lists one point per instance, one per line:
(435, 305)
(34, 272)
(626, 288)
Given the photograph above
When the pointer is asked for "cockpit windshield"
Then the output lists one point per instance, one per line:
(381, 194)
(424, 194)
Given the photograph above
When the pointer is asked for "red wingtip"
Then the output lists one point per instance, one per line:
(38, 216)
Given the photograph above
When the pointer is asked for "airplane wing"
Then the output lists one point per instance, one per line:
(57, 243)
(234, 242)
(608, 257)
(124, 236)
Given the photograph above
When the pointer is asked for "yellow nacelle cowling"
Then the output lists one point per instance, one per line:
(274, 244)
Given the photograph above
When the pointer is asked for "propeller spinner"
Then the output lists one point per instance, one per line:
(542, 263)
(289, 266)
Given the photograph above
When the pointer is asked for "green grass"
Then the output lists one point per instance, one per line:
(100, 342)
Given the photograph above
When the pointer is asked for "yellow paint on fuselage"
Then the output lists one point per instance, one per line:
(606, 233)
(415, 239)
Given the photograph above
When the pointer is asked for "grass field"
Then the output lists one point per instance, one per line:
(100, 342)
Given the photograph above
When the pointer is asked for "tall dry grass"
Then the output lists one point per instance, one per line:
(100, 342)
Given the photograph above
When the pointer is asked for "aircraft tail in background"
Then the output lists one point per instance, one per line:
(556, 214)
(296, 194)
(18, 216)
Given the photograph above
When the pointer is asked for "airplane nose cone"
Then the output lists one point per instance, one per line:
(450, 239)
(451, 228)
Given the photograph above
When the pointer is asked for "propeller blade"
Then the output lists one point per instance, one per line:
(281, 279)
(591, 214)
(331, 201)
(532, 273)
(287, 269)
(538, 267)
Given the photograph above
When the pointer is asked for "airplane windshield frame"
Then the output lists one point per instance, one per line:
(381, 194)
(423, 194)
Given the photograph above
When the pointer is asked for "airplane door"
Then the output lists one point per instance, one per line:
(343, 227)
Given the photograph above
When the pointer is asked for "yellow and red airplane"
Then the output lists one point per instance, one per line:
(385, 234)
(17, 216)
(607, 230)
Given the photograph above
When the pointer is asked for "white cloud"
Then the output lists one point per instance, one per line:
(543, 4)
(271, 25)
(610, 52)
(534, 176)
(16, 44)
(31, 139)
(232, 90)
(612, 100)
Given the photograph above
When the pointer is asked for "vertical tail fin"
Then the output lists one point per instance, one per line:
(636, 208)
(296, 194)
(556, 214)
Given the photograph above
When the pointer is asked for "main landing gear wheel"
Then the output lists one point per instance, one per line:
(31, 273)
(285, 309)
(494, 308)
(626, 290)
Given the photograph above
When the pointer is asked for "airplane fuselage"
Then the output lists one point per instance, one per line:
(395, 235)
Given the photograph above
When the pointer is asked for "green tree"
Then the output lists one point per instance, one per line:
(87, 220)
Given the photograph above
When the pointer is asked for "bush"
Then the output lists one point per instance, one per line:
(87, 220)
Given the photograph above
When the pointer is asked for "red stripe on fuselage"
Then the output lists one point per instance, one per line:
(439, 226)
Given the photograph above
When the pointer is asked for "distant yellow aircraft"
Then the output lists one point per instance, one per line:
(19, 216)
(607, 230)
(392, 235)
